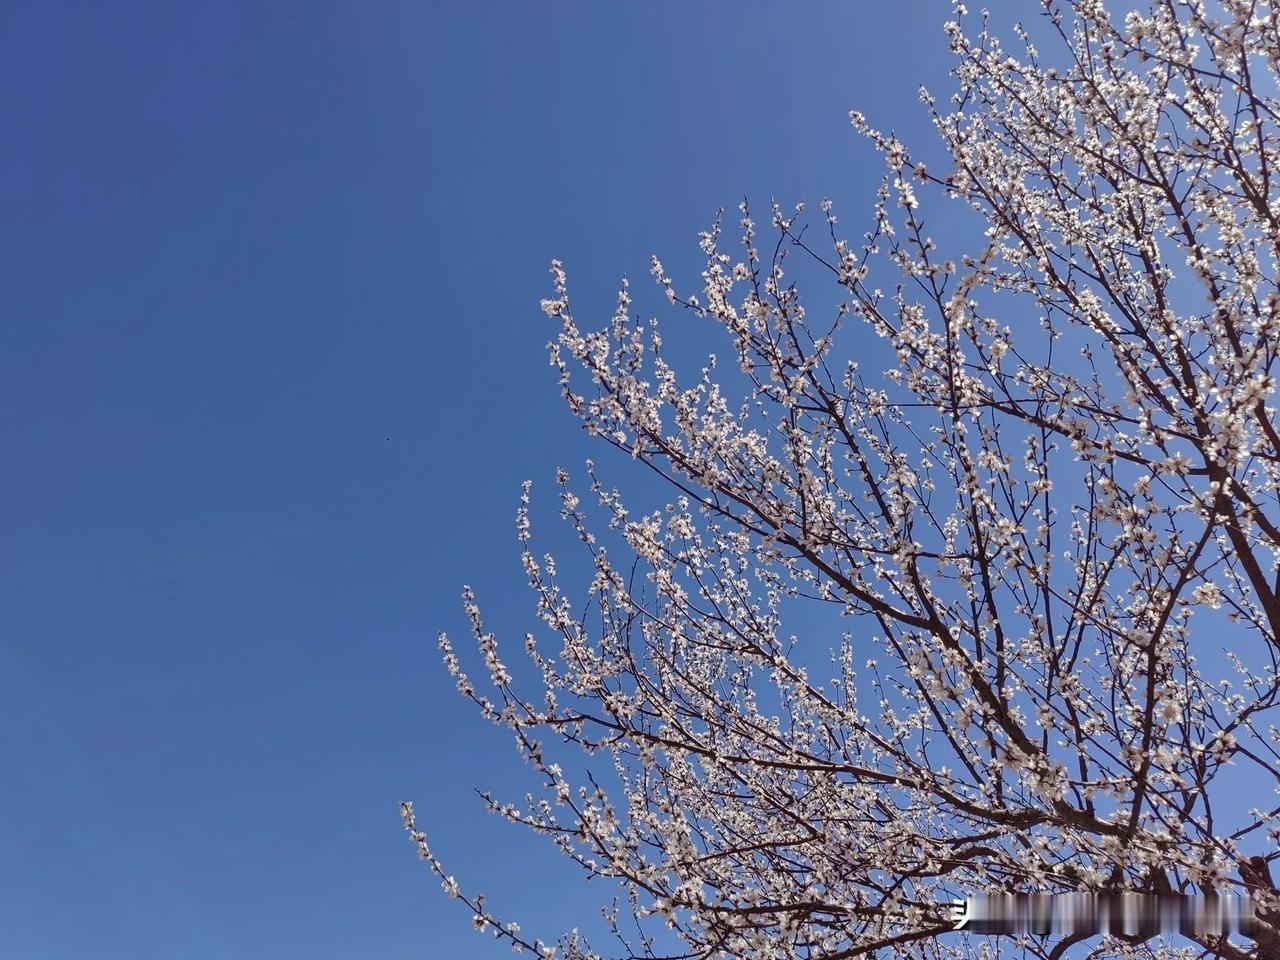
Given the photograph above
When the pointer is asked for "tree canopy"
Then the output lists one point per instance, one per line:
(1051, 522)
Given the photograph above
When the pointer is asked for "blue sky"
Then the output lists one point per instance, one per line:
(272, 373)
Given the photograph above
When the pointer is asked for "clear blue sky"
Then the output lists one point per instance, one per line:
(272, 371)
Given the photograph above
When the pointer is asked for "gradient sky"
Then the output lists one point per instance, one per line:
(272, 371)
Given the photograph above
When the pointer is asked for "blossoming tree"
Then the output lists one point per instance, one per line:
(1052, 523)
